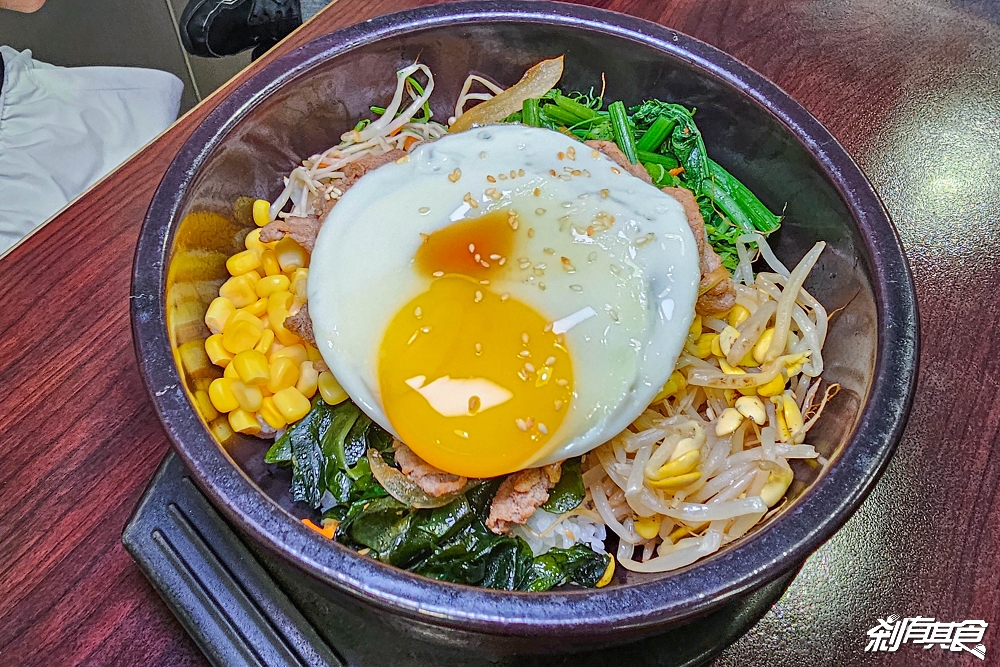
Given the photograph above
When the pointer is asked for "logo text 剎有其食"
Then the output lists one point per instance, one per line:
(890, 633)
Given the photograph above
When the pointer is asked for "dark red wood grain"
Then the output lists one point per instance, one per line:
(910, 87)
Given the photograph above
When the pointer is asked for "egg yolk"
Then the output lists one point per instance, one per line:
(472, 380)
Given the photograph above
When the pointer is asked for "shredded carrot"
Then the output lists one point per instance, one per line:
(323, 165)
(676, 171)
(396, 131)
(328, 529)
(409, 142)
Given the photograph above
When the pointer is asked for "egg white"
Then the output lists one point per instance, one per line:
(628, 292)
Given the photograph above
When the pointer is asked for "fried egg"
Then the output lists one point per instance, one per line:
(503, 298)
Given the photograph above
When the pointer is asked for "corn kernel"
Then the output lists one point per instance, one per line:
(308, 379)
(737, 315)
(220, 392)
(242, 332)
(218, 313)
(261, 212)
(203, 402)
(257, 308)
(244, 422)
(217, 353)
(248, 397)
(330, 389)
(300, 281)
(729, 421)
(239, 290)
(296, 353)
(290, 254)
(277, 323)
(269, 263)
(648, 527)
(760, 347)
(772, 388)
(279, 301)
(253, 241)
(243, 262)
(752, 407)
(284, 374)
(269, 412)
(609, 572)
(266, 341)
(271, 284)
(292, 405)
(776, 486)
(220, 429)
(252, 367)
(254, 276)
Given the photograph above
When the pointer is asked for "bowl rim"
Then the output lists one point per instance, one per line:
(781, 545)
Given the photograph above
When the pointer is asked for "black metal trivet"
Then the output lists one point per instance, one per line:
(243, 607)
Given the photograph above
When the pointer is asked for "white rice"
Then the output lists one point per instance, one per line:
(545, 530)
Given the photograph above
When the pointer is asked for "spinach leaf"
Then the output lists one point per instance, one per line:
(579, 564)
(569, 491)
(356, 441)
(307, 456)
(281, 451)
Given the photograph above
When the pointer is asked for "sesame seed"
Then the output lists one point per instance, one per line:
(524, 353)
(645, 239)
(424, 209)
(592, 257)
(604, 193)
(513, 174)
(479, 296)
(537, 192)
(520, 172)
(424, 238)
(595, 154)
(425, 329)
(576, 288)
(614, 315)
(479, 348)
(484, 263)
(531, 232)
(590, 230)
(571, 153)
(553, 172)
(482, 155)
(561, 155)
(549, 251)
(529, 422)
(563, 223)
(418, 312)
(502, 177)
(586, 173)
(455, 175)
(524, 338)
(462, 434)
(493, 194)
(542, 429)
(412, 338)
(576, 172)
(548, 327)
(567, 204)
(470, 201)
(615, 170)
(491, 179)
(550, 361)
(472, 247)
(561, 382)
(474, 404)
(504, 296)
(494, 257)
(521, 424)
(484, 282)
(541, 286)
(403, 160)
(540, 266)
(539, 211)
(521, 374)
(438, 274)
(558, 405)
(477, 257)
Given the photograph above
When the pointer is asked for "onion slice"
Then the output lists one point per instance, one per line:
(403, 489)
(537, 81)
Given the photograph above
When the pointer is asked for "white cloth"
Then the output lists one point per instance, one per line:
(63, 128)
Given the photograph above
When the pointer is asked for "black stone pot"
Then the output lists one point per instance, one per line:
(302, 102)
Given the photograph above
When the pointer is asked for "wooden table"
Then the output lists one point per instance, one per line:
(910, 87)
